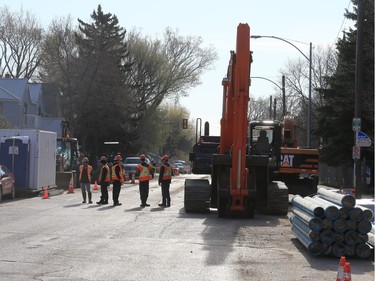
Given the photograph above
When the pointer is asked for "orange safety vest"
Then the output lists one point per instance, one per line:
(167, 172)
(114, 176)
(144, 173)
(108, 176)
(89, 170)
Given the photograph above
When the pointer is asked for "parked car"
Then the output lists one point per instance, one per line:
(6, 183)
(176, 162)
(130, 165)
(180, 167)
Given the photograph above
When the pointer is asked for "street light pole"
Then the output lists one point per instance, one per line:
(309, 59)
(309, 103)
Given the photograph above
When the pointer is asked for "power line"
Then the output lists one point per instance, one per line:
(341, 27)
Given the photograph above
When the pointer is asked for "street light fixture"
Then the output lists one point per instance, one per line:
(281, 88)
(310, 70)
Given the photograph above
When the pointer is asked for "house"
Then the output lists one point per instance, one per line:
(23, 104)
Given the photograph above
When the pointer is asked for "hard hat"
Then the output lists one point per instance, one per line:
(165, 158)
(142, 157)
(85, 160)
(103, 158)
(118, 158)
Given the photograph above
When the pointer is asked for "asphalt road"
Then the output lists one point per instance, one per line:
(62, 239)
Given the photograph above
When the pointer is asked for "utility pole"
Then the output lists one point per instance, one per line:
(358, 93)
(270, 113)
(284, 98)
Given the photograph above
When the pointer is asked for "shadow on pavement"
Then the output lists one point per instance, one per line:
(73, 205)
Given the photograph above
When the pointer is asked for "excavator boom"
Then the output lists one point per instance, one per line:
(234, 120)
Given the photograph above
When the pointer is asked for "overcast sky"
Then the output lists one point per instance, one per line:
(318, 21)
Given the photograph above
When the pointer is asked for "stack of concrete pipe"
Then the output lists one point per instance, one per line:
(331, 223)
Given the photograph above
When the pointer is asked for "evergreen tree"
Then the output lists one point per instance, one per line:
(101, 98)
(336, 114)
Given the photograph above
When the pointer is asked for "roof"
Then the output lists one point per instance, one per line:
(6, 96)
(14, 86)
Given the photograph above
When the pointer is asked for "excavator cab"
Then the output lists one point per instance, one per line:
(268, 144)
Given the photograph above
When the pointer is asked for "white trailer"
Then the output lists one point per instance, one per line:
(31, 155)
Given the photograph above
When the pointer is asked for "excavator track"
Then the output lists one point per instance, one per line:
(197, 196)
(277, 199)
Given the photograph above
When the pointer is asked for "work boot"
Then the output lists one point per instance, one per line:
(84, 197)
(90, 195)
(105, 202)
(161, 205)
(99, 202)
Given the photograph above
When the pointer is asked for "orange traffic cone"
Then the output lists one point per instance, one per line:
(45, 195)
(133, 178)
(340, 271)
(95, 186)
(347, 272)
(71, 189)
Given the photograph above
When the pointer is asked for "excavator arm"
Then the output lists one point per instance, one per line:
(234, 121)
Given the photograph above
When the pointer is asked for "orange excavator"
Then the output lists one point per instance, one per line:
(240, 183)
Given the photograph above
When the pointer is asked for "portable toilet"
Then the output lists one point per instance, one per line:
(15, 154)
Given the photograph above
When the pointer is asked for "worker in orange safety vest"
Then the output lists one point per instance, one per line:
(145, 174)
(85, 174)
(165, 178)
(117, 179)
(104, 179)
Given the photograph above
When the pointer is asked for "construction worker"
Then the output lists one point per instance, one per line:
(117, 179)
(85, 174)
(153, 168)
(145, 174)
(104, 179)
(165, 178)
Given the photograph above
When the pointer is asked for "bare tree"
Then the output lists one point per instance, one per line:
(297, 79)
(20, 43)
(170, 137)
(59, 59)
(165, 68)
(259, 109)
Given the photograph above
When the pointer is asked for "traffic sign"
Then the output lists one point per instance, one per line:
(362, 140)
(356, 125)
(356, 152)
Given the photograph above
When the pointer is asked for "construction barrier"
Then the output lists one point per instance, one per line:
(133, 178)
(71, 189)
(347, 272)
(45, 195)
(340, 271)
